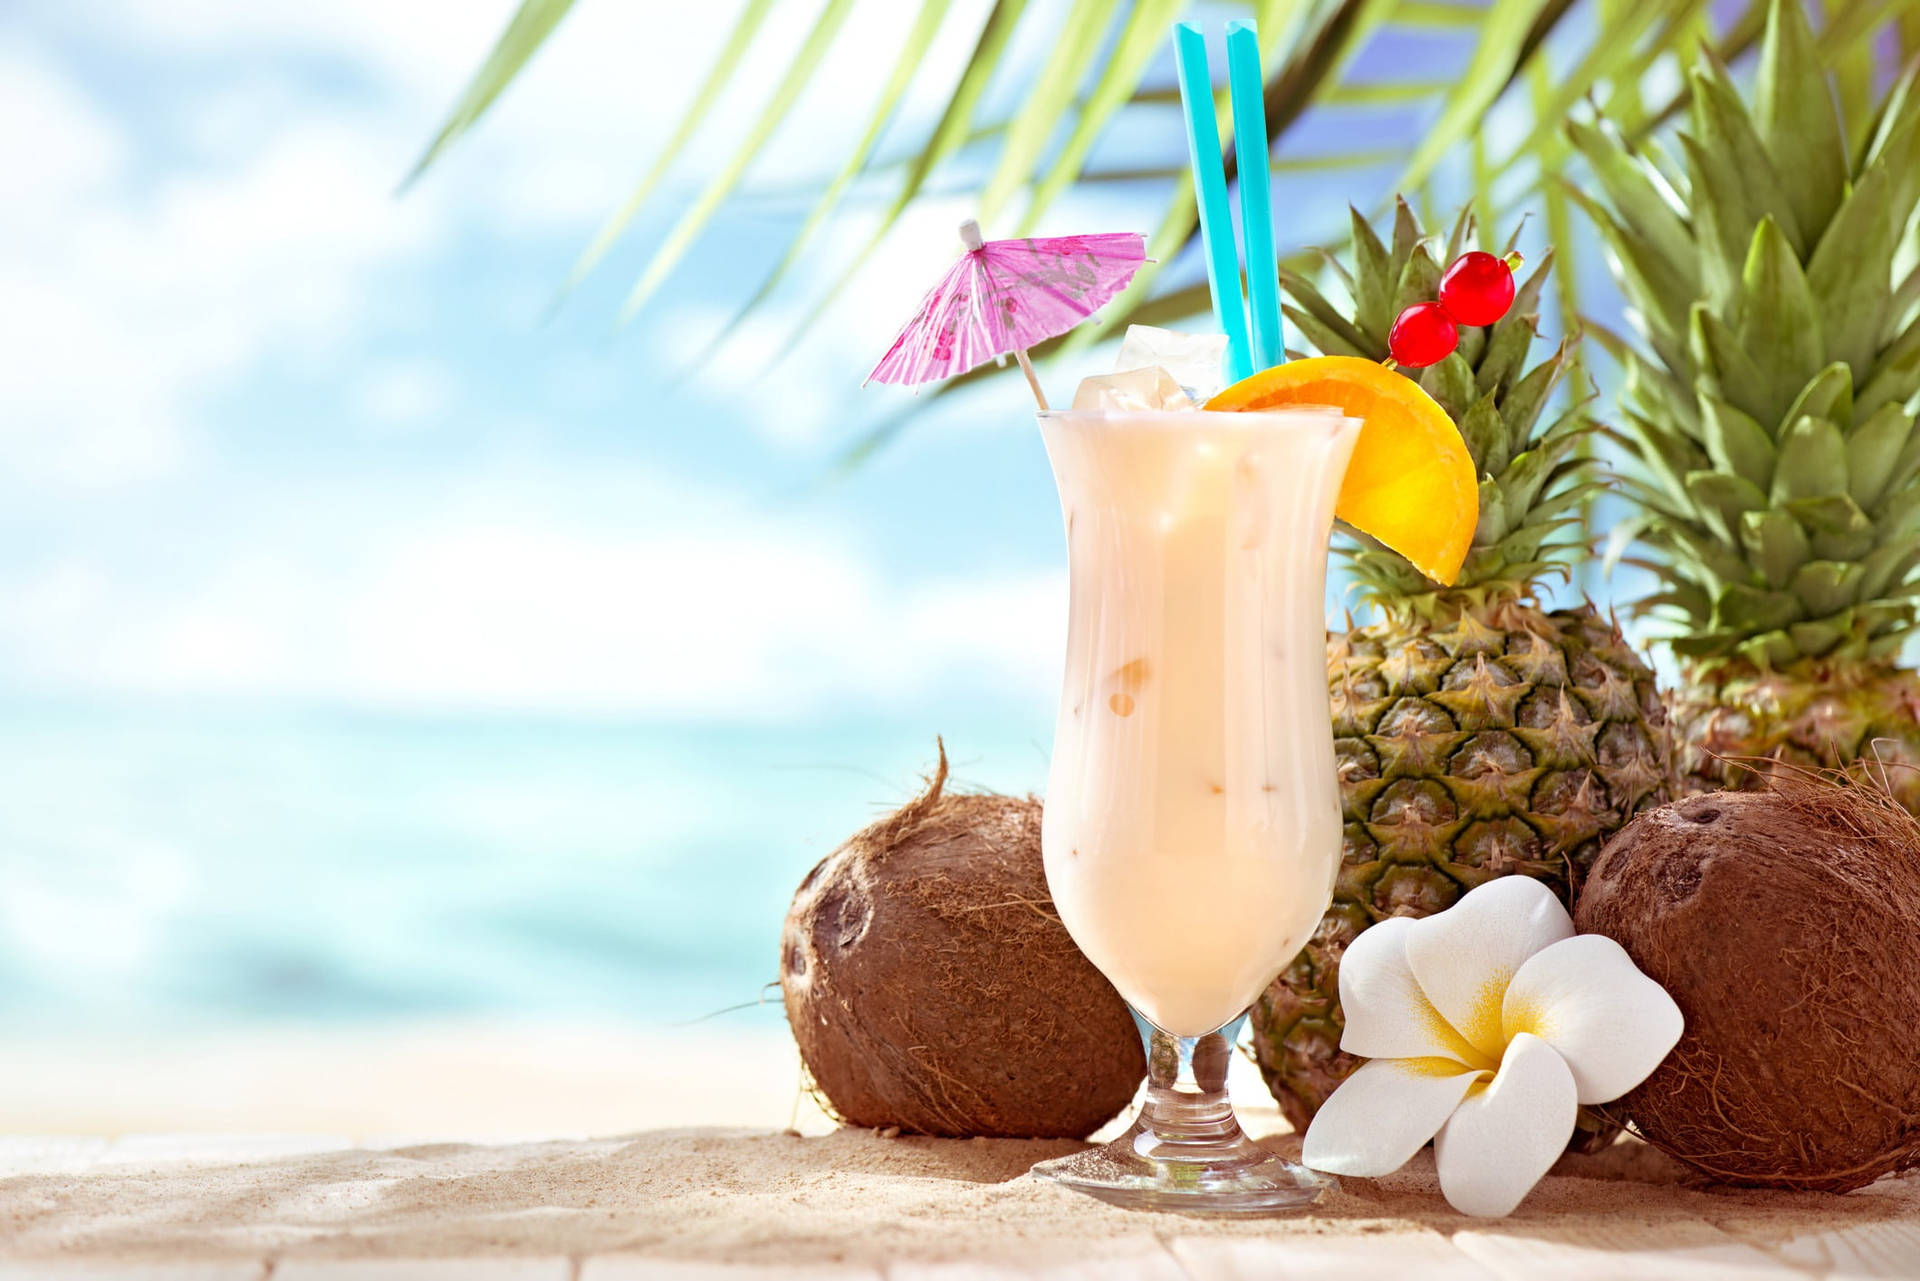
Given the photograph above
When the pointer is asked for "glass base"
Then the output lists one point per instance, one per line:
(1186, 1152)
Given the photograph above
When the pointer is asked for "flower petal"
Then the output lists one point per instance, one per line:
(1585, 997)
(1503, 1138)
(1464, 957)
(1387, 1016)
(1384, 1113)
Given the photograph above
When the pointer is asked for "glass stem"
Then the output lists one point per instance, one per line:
(1186, 1112)
(1185, 1151)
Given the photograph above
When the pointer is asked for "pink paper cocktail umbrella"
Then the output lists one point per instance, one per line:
(1002, 297)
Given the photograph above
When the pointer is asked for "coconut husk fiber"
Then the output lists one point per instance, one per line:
(932, 988)
(1786, 925)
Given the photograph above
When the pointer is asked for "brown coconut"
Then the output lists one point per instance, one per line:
(1786, 924)
(931, 986)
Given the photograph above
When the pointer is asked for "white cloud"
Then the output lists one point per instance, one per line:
(401, 395)
(126, 309)
(492, 601)
(586, 116)
(56, 145)
(145, 280)
(140, 284)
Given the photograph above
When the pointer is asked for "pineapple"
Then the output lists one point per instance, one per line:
(1770, 412)
(1478, 733)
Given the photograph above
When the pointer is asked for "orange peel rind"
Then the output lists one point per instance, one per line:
(1412, 483)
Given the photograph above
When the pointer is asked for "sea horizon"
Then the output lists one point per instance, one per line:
(184, 866)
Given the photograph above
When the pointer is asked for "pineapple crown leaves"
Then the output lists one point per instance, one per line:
(1769, 409)
(1533, 478)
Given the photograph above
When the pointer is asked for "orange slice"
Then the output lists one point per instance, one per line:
(1411, 483)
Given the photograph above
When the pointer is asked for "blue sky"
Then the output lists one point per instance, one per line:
(271, 433)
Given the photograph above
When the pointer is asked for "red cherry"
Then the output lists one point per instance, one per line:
(1478, 288)
(1423, 335)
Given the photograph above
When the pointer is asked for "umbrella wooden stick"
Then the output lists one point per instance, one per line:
(970, 237)
(1026, 367)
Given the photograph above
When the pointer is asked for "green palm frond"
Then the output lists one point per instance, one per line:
(1095, 73)
(1639, 32)
(1322, 35)
(1503, 34)
(912, 54)
(1144, 35)
(718, 78)
(1437, 13)
(1394, 94)
(532, 23)
(1047, 100)
(1682, 27)
(947, 139)
(798, 75)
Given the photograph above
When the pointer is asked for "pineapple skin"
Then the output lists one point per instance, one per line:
(1485, 740)
(1477, 734)
(1863, 716)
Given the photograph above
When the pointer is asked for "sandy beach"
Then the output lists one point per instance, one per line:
(855, 1199)
(477, 1080)
(467, 1140)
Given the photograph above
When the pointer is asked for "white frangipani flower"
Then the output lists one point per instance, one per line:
(1486, 1027)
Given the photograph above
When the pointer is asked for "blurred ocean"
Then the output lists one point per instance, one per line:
(172, 870)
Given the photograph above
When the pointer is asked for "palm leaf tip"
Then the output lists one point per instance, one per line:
(912, 54)
(1051, 96)
(948, 137)
(719, 76)
(800, 72)
(525, 33)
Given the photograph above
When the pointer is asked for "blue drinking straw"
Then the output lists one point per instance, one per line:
(1248, 89)
(1210, 191)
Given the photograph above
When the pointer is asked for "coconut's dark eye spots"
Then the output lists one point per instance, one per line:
(796, 961)
(1707, 815)
(843, 918)
(1677, 874)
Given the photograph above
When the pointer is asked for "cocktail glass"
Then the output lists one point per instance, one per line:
(1192, 824)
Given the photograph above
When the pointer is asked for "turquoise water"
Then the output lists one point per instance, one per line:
(170, 868)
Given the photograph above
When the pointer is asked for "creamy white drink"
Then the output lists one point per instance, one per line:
(1192, 823)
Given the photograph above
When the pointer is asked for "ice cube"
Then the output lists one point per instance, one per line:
(1135, 389)
(1196, 361)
